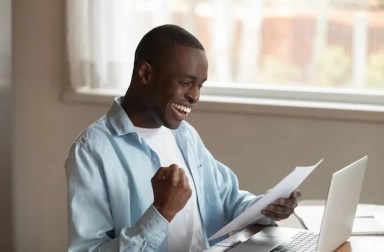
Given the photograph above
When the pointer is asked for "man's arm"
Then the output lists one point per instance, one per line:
(90, 222)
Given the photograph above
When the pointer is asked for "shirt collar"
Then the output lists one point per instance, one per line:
(119, 119)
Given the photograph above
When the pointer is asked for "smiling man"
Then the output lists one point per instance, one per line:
(140, 177)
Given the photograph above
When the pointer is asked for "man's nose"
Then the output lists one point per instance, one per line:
(193, 94)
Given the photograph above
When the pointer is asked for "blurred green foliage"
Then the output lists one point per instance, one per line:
(375, 69)
(332, 68)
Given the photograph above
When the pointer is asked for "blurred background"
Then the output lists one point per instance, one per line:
(45, 103)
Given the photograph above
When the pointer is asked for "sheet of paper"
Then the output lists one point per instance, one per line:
(369, 218)
(283, 189)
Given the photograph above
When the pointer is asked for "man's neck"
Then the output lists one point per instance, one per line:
(137, 110)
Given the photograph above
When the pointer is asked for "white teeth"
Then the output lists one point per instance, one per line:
(182, 108)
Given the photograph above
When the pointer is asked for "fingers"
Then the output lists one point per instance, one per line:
(284, 207)
(173, 173)
(296, 194)
(280, 209)
(171, 190)
(287, 202)
(184, 178)
(274, 213)
(162, 173)
(177, 175)
(290, 202)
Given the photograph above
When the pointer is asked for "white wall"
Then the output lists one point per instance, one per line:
(43, 126)
(260, 147)
(5, 126)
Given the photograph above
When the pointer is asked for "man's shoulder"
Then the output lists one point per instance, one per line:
(94, 134)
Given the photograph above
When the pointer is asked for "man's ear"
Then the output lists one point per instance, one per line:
(144, 72)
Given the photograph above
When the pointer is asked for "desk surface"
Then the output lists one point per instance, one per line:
(354, 244)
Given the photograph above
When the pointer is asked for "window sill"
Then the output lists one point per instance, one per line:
(246, 105)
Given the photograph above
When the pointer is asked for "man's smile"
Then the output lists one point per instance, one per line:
(182, 109)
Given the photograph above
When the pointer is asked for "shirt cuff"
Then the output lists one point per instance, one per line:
(152, 227)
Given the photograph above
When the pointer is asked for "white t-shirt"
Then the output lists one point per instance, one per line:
(185, 230)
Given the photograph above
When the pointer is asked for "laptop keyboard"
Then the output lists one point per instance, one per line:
(300, 242)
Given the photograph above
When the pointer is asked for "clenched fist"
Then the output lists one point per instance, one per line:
(171, 190)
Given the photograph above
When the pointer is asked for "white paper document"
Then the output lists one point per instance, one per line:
(283, 189)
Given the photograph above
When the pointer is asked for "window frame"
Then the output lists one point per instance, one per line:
(368, 107)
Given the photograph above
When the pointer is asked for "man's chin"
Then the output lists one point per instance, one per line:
(173, 125)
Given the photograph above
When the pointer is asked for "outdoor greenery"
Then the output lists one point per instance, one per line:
(332, 68)
(375, 69)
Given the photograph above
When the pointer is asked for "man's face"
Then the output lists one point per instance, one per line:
(176, 86)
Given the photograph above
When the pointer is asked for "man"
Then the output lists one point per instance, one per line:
(140, 178)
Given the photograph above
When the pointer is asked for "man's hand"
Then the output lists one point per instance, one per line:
(283, 207)
(171, 190)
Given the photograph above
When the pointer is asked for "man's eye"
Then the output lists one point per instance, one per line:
(186, 82)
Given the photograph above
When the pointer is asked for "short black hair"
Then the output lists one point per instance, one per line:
(159, 43)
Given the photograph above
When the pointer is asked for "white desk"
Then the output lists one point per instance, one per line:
(366, 243)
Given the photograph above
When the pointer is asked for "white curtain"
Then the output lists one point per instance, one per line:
(101, 36)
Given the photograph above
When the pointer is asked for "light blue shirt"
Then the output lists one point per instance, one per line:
(109, 170)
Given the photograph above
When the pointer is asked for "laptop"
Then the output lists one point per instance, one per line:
(336, 227)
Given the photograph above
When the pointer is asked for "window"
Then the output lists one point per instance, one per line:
(306, 49)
